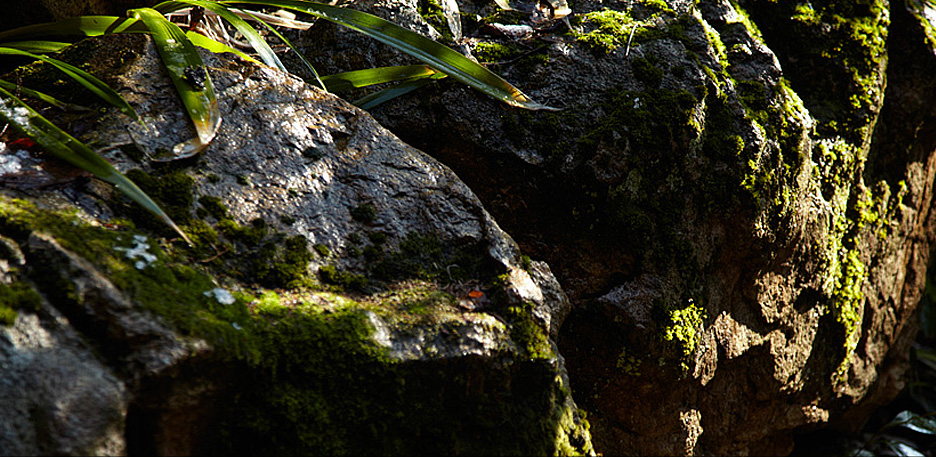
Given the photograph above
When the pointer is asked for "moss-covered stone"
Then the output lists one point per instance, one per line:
(312, 377)
(346, 280)
(364, 213)
(17, 296)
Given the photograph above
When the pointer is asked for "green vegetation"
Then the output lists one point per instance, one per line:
(312, 377)
(15, 296)
(684, 327)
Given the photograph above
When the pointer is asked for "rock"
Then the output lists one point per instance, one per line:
(345, 293)
(741, 220)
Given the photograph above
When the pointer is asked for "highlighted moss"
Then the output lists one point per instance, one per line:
(684, 329)
(16, 296)
(847, 300)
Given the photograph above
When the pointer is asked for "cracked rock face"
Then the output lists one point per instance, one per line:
(739, 213)
(298, 187)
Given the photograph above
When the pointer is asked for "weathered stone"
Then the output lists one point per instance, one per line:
(743, 234)
(345, 294)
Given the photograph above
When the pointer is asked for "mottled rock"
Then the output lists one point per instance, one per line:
(733, 198)
(345, 293)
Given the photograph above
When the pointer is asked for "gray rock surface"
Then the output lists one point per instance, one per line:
(416, 325)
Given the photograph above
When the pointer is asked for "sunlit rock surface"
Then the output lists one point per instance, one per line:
(345, 294)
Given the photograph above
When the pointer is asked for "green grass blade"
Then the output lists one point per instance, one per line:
(75, 26)
(434, 54)
(250, 34)
(363, 78)
(14, 88)
(190, 78)
(371, 100)
(62, 145)
(40, 47)
(216, 46)
(82, 77)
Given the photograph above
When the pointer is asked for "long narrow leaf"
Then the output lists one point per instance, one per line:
(40, 47)
(434, 54)
(362, 78)
(250, 34)
(190, 78)
(80, 26)
(82, 77)
(381, 96)
(14, 88)
(216, 47)
(62, 145)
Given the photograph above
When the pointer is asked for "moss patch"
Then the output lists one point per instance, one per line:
(684, 328)
(311, 377)
(16, 296)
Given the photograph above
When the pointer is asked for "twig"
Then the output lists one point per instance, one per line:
(629, 39)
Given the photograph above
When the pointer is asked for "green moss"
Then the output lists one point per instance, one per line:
(839, 49)
(377, 237)
(283, 263)
(628, 363)
(608, 30)
(684, 328)
(172, 191)
(847, 300)
(174, 291)
(249, 236)
(646, 70)
(326, 388)
(243, 180)
(16, 296)
(332, 275)
(214, 207)
(322, 250)
(424, 256)
(489, 52)
(529, 336)
(311, 379)
(432, 12)
(365, 213)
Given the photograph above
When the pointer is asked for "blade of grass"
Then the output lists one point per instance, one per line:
(216, 46)
(250, 34)
(80, 26)
(434, 54)
(371, 100)
(37, 46)
(362, 78)
(82, 77)
(14, 88)
(190, 78)
(62, 145)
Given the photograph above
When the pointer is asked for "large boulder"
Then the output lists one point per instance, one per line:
(735, 196)
(344, 293)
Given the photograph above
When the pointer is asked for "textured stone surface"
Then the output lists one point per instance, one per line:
(734, 200)
(346, 292)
